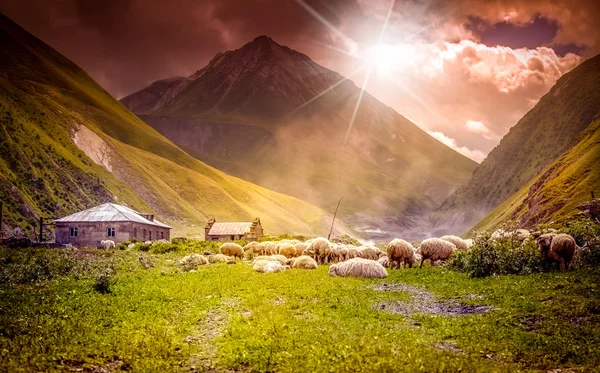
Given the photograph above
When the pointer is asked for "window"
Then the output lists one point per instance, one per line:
(73, 231)
(110, 232)
(162, 235)
(150, 235)
(134, 232)
(144, 235)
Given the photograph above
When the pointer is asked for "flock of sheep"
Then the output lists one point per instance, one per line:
(370, 261)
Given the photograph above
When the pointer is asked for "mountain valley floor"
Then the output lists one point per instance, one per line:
(96, 311)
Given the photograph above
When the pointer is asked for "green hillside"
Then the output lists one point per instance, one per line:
(554, 194)
(66, 143)
(544, 134)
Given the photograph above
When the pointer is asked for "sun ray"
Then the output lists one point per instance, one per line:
(322, 19)
(327, 90)
(329, 46)
(362, 91)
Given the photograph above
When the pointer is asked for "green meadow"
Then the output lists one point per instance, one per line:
(96, 311)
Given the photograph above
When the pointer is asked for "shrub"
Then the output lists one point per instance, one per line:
(105, 280)
(29, 266)
(146, 261)
(491, 258)
(587, 235)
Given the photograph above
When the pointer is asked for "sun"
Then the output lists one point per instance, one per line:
(388, 58)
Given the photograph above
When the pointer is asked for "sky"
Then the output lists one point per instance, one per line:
(465, 71)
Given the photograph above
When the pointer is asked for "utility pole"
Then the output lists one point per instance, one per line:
(1, 211)
(334, 215)
(592, 198)
(42, 224)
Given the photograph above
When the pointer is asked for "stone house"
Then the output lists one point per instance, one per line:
(231, 231)
(109, 222)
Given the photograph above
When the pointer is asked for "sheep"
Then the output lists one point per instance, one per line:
(302, 262)
(400, 251)
(522, 234)
(518, 235)
(319, 249)
(287, 249)
(352, 252)
(300, 247)
(435, 249)
(270, 248)
(557, 247)
(232, 249)
(273, 258)
(370, 252)
(358, 267)
(339, 253)
(108, 244)
(253, 248)
(215, 258)
(192, 261)
(469, 243)
(457, 241)
(384, 261)
(267, 266)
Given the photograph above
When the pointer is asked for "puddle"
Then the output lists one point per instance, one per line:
(424, 302)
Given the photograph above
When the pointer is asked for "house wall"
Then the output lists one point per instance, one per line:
(91, 234)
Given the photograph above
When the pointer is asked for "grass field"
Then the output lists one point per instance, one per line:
(228, 318)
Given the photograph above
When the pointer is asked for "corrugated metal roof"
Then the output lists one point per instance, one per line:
(225, 228)
(109, 212)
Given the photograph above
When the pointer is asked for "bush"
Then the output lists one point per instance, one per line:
(587, 235)
(104, 281)
(491, 258)
(27, 266)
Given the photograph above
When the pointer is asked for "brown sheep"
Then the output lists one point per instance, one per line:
(232, 249)
(457, 241)
(557, 247)
(435, 249)
(400, 251)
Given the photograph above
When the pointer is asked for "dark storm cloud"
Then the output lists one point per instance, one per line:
(126, 45)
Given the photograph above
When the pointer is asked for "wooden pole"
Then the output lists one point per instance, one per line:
(592, 198)
(334, 215)
(1, 231)
(41, 230)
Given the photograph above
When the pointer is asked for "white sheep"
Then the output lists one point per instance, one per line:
(286, 249)
(300, 247)
(400, 252)
(435, 249)
(272, 258)
(319, 249)
(232, 249)
(339, 253)
(302, 262)
(370, 252)
(457, 241)
(352, 252)
(192, 261)
(384, 261)
(267, 266)
(108, 244)
(358, 267)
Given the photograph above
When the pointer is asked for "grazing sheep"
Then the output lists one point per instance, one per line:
(302, 262)
(253, 248)
(457, 241)
(517, 235)
(384, 261)
(435, 249)
(287, 249)
(108, 244)
(557, 247)
(352, 252)
(300, 247)
(358, 267)
(192, 261)
(267, 266)
(469, 243)
(216, 258)
(270, 248)
(339, 253)
(400, 251)
(522, 234)
(370, 252)
(319, 249)
(232, 249)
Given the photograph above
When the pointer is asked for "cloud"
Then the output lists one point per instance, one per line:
(480, 129)
(476, 155)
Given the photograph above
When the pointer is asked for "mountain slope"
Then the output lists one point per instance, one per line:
(543, 135)
(66, 143)
(558, 190)
(252, 112)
